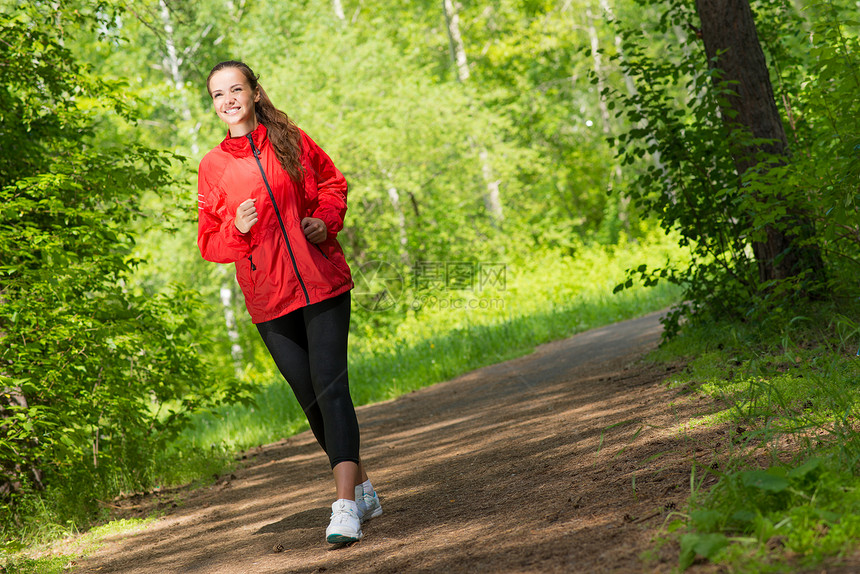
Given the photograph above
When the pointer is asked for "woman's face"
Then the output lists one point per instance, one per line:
(234, 100)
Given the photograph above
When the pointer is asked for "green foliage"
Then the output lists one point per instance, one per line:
(24, 565)
(692, 183)
(788, 391)
(95, 378)
(775, 517)
(827, 126)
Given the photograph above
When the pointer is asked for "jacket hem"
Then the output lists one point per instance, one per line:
(287, 309)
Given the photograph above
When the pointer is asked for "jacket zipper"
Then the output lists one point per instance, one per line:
(251, 261)
(320, 250)
(280, 220)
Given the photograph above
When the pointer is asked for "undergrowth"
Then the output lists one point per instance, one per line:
(787, 494)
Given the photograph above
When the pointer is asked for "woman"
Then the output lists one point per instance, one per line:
(272, 202)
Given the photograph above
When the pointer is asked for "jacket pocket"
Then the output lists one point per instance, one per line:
(246, 272)
(252, 274)
(320, 249)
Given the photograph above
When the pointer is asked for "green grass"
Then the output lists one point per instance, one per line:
(56, 558)
(546, 298)
(791, 393)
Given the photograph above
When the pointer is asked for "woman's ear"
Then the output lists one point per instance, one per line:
(257, 95)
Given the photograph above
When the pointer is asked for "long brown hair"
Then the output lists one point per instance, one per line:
(285, 135)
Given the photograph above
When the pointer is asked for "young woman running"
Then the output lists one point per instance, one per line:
(272, 202)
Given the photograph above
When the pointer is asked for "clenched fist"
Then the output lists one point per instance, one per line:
(246, 215)
(315, 229)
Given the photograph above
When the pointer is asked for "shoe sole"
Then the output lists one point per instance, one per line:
(342, 538)
(377, 512)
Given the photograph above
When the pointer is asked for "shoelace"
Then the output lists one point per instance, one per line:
(343, 515)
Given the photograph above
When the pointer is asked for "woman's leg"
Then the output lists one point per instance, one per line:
(286, 340)
(327, 327)
(345, 477)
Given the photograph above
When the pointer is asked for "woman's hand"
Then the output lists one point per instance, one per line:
(315, 229)
(246, 215)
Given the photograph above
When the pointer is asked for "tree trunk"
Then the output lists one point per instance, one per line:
(606, 120)
(172, 62)
(598, 70)
(458, 52)
(338, 11)
(492, 198)
(394, 198)
(732, 45)
(12, 472)
(228, 296)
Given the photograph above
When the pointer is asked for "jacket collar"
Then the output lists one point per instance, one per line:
(240, 147)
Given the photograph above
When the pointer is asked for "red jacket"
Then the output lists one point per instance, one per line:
(278, 269)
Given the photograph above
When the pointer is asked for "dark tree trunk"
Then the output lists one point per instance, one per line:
(732, 45)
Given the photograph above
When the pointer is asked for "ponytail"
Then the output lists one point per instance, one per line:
(284, 134)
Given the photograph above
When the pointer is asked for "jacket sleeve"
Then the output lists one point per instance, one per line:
(331, 187)
(218, 239)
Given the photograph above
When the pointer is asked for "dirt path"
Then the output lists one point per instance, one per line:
(566, 460)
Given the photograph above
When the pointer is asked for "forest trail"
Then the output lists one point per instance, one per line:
(565, 460)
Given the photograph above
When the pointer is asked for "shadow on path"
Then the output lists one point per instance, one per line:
(565, 460)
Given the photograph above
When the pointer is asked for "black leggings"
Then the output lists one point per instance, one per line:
(309, 348)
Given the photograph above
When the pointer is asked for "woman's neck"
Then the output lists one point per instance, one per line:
(241, 130)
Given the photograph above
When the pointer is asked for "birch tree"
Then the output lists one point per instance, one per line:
(161, 21)
(492, 196)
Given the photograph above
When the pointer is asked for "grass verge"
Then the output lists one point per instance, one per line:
(787, 495)
(62, 556)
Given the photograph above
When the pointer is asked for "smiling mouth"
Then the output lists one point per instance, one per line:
(231, 111)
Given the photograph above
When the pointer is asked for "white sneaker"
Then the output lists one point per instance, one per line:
(368, 506)
(345, 525)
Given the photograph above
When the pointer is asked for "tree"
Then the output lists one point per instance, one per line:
(175, 33)
(732, 47)
(95, 377)
(492, 198)
(756, 216)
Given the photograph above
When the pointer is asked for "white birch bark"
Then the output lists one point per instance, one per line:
(598, 69)
(492, 197)
(173, 67)
(605, 118)
(458, 52)
(394, 198)
(338, 11)
(227, 305)
(630, 85)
